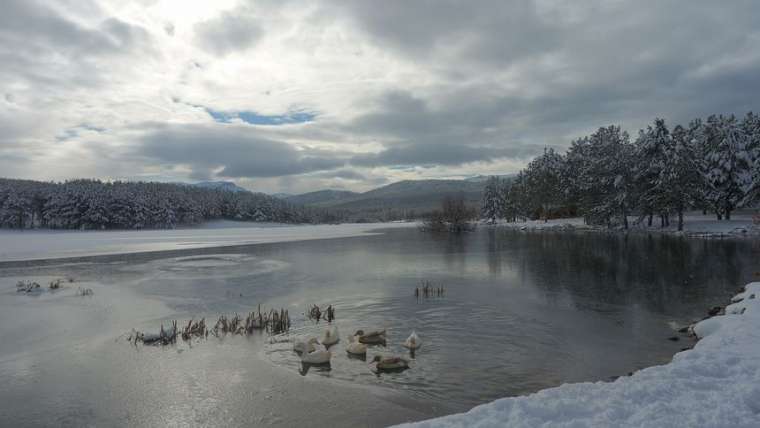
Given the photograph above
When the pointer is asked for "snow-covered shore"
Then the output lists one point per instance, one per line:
(694, 225)
(51, 244)
(715, 384)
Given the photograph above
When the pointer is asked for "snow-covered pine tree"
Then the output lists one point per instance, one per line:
(751, 126)
(493, 200)
(652, 147)
(91, 204)
(575, 177)
(680, 179)
(598, 176)
(515, 198)
(543, 182)
(698, 136)
(611, 172)
(16, 211)
(728, 165)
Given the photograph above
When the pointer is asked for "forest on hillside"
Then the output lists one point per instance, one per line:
(93, 204)
(711, 165)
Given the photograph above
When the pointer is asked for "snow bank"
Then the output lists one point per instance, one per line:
(694, 225)
(560, 223)
(716, 384)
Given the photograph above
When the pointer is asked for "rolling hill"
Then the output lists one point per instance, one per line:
(404, 199)
(221, 185)
(321, 197)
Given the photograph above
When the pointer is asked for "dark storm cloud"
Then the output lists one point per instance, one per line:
(503, 32)
(346, 174)
(439, 154)
(231, 31)
(413, 133)
(49, 52)
(488, 31)
(567, 70)
(26, 25)
(343, 174)
(237, 150)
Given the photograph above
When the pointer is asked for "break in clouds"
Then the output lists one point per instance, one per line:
(295, 95)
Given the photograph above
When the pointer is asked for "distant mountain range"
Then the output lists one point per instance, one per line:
(484, 178)
(221, 185)
(404, 199)
(282, 195)
(321, 197)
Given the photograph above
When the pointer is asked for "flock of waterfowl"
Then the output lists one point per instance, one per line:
(317, 352)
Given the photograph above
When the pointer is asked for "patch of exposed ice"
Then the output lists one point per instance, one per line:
(49, 244)
(208, 266)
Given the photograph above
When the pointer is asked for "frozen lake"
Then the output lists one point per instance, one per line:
(49, 244)
(522, 311)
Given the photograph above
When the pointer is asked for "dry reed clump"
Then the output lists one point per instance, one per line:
(163, 337)
(85, 292)
(316, 314)
(27, 287)
(33, 286)
(195, 329)
(426, 289)
(274, 322)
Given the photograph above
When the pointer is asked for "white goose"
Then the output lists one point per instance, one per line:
(355, 347)
(305, 345)
(412, 342)
(319, 356)
(330, 336)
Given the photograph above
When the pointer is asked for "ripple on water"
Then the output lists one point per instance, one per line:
(466, 347)
(209, 266)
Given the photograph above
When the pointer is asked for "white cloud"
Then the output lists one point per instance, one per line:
(402, 90)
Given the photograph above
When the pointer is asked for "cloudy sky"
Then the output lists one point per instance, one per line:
(296, 95)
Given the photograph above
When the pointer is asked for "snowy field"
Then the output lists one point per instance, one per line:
(694, 224)
(715, 384)
(47, 244)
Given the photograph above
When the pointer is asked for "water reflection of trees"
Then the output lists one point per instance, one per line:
(453, 246)
(664, 273)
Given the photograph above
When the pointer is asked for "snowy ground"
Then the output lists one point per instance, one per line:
(694, 224)
(716, 384)
(48, 244)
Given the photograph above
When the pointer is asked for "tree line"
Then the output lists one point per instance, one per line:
(93, 204)
(711, 165)
(453, 216)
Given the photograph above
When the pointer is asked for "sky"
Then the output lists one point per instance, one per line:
(294, 95)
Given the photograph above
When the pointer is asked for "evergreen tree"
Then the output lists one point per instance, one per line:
(751, 127)
(493, 200)
(91, 204)
(712, 164)
(515, 198)
(542, 179)
(598, 175)
(728, 165)
(680, 180)
(652, 148)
